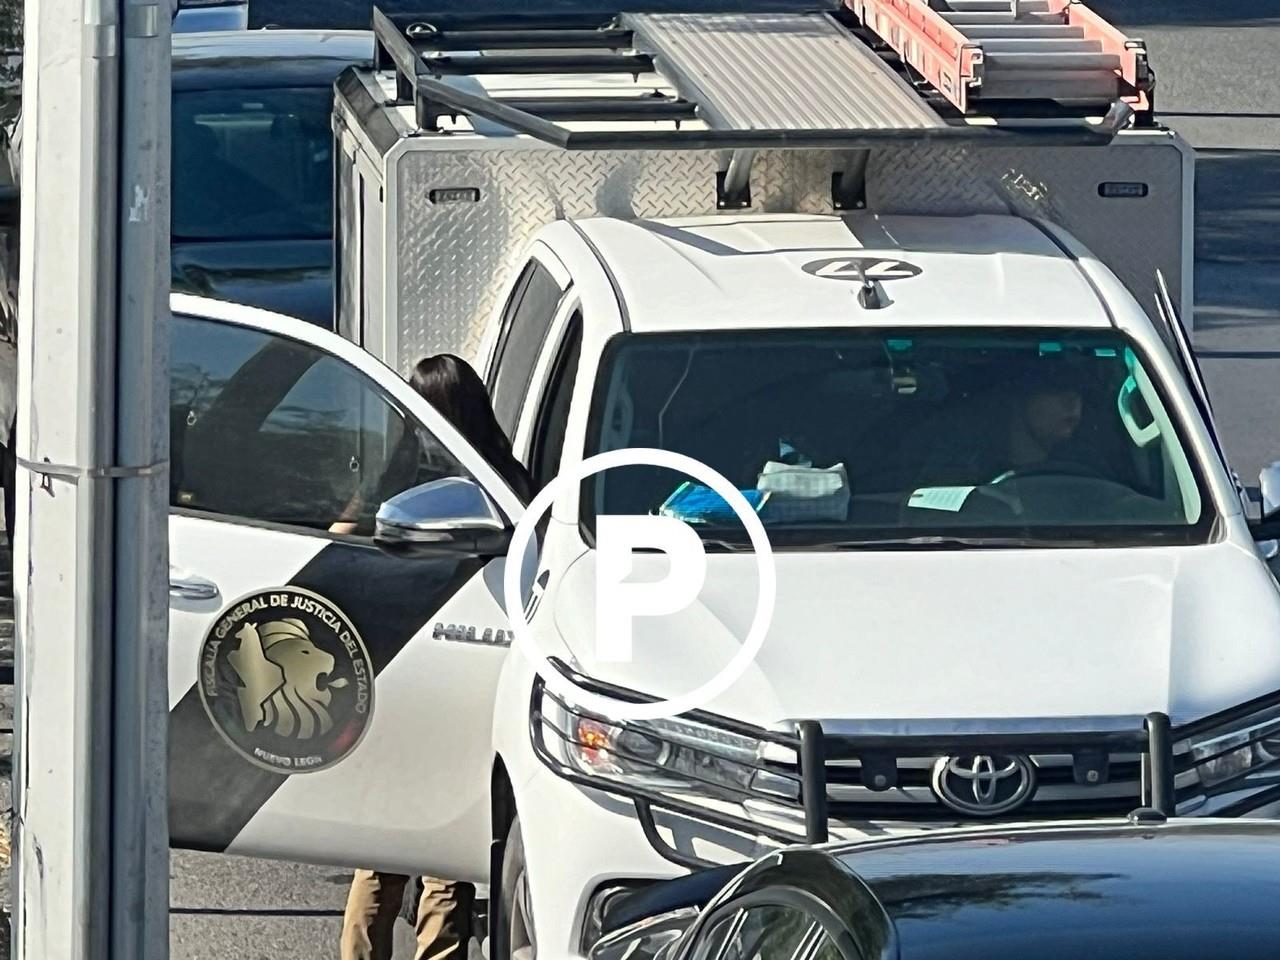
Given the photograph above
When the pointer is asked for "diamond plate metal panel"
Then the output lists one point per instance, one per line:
(1134, 236)
(794, 181)
(348, 230)
(453, 259)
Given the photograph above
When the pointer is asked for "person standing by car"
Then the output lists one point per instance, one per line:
(443, 921)
(450, 385)
(442, 925)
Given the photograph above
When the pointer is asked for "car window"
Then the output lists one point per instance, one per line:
(526, 320)
(766, 932)
(268, 429)
(252, 164)
(854, 437)
(548, 435)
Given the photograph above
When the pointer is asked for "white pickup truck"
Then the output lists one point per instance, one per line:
(1030, 593)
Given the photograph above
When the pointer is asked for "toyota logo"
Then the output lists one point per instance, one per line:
(983, 785)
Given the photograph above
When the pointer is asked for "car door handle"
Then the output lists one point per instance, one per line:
(186, 586)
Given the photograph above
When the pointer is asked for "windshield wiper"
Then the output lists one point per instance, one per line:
(952, 543)
(713, 545)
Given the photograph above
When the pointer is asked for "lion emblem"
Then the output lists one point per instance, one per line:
(280, 671)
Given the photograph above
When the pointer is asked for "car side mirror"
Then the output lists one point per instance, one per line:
(1269, 486)
(452, 517)
(1268, 528)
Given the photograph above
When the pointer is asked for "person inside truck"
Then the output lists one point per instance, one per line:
(443, 916)
(1020, 426)
(1046, 416)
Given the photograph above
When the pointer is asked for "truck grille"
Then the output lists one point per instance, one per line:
(982, 787)
(1055, 793)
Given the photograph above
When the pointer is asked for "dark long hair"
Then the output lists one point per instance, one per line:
(450, 385)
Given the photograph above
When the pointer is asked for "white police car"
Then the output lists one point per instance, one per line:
(1015, 579)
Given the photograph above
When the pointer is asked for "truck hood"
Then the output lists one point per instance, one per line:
(974, 634)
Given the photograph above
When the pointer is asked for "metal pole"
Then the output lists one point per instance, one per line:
(140, 822)
(90, 830)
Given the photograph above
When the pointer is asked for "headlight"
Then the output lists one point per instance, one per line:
(605, 748)
(1223, 757)
(1230, 755)
(661, 753)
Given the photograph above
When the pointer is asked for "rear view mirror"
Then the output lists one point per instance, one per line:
(449, 517)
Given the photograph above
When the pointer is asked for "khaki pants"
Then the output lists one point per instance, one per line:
(443, 924)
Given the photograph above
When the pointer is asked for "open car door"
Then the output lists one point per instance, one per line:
(330, 701)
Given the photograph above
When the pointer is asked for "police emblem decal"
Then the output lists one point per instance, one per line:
(286, 680)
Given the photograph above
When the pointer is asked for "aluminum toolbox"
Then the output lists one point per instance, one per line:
(450, 159)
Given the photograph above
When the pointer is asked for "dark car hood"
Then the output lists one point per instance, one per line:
(293, 277)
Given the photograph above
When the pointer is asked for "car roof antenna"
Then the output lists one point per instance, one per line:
(870, 296)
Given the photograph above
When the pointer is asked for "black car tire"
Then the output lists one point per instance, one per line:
(513, 930)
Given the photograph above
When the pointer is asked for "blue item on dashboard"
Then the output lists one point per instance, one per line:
(695, 503)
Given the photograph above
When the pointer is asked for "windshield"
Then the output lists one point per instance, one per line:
(862, 438)
(252, 164)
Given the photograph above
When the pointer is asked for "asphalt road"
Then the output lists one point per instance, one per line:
(1216, 63)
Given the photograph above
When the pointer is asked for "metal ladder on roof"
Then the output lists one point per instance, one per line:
(684, 81)
(980, 53)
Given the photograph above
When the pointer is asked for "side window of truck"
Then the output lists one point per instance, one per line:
(525, 323)
(553, 412)
(272, 430)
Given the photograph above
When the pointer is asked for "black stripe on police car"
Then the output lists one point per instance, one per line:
(856, 269)
(214, 790)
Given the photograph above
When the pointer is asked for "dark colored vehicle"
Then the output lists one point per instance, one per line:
(1138, 890)
(197, 16)
(253, 165)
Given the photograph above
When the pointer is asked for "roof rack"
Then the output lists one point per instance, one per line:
(697, 84)
(980, 52)
(1172, 773)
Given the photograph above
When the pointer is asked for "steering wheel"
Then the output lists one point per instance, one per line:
(1049, 468)
(1001, 488)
